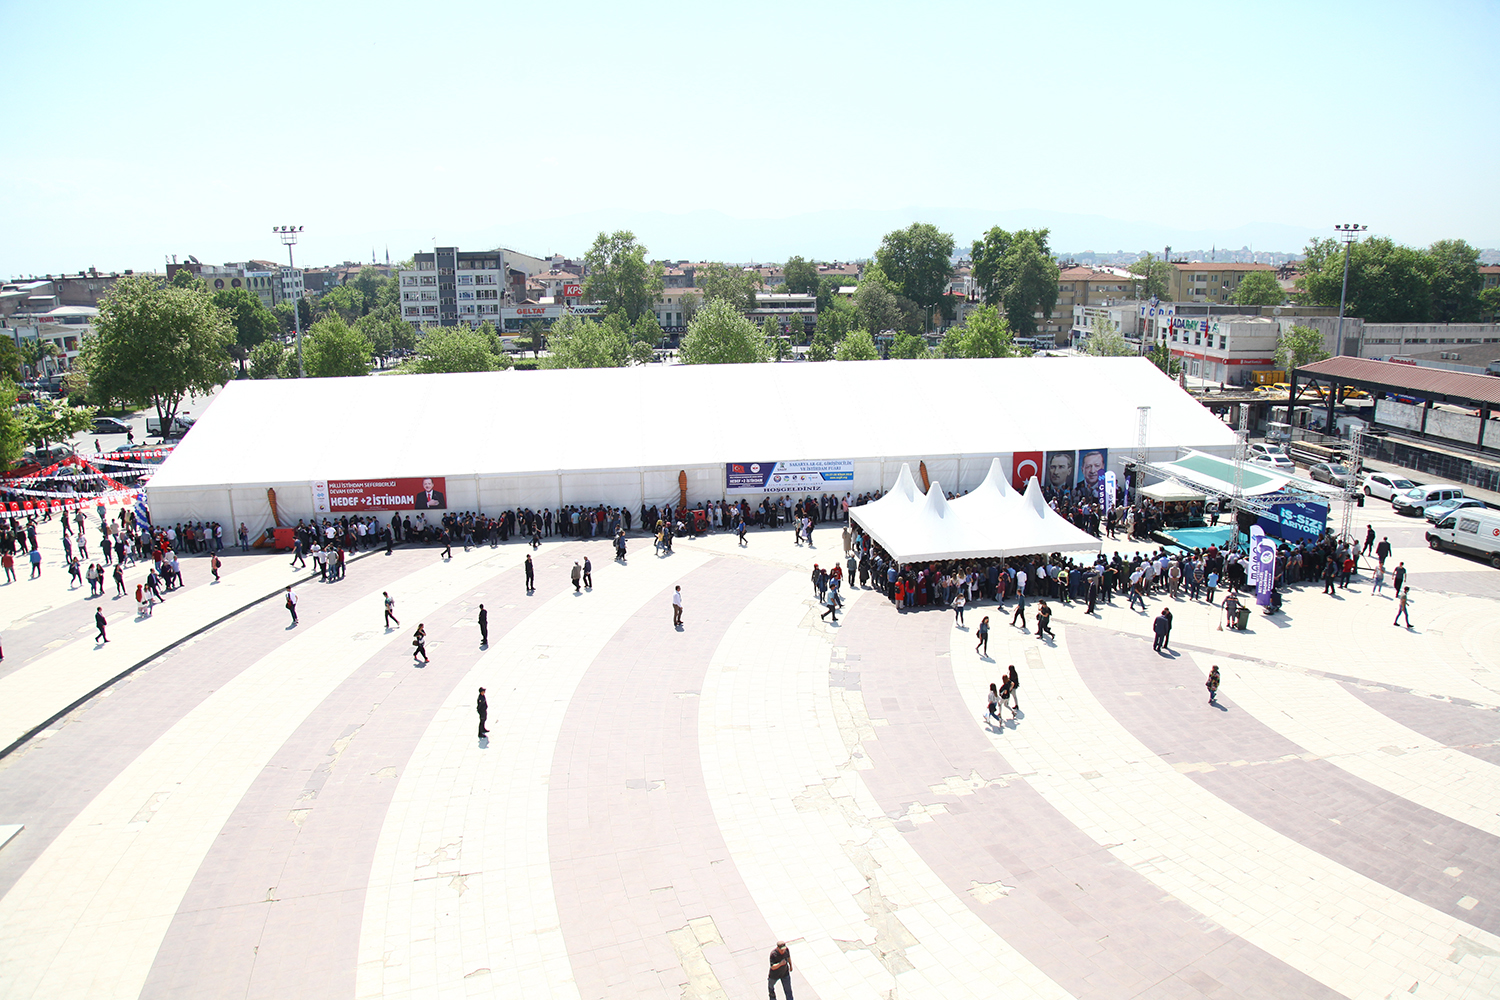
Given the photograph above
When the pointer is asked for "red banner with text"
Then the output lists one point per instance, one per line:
(362, 496)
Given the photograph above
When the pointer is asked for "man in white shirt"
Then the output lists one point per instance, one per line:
(677, 607)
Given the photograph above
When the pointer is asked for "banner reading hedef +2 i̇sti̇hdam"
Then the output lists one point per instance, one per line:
(810, 476)
(351, 496)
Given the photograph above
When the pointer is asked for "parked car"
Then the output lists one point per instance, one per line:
(1259, 449)
(1385, 486)
(1331, 473)
(1278, 463)
(1417, 499)
(109, 425)
(179, 427)
(1438, 511)
(1471, 530)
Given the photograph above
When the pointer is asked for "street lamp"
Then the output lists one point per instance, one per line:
(288, 236)
(1349, 233)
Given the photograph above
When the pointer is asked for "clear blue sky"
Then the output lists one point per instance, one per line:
(143, 129)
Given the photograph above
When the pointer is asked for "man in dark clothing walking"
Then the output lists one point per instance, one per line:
(483, 708)
(99, 624)
(781, 969)
(530, 575)
(577, 575)
(1399, 576)
(1160, 627)
(1369, 538)
(484, 627)
(1383, 551)
(588, 574)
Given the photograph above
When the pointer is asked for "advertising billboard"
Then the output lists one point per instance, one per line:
(812, 476)
(364, 496)
(1295, 522)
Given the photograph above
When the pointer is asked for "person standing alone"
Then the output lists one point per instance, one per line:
(530, 575)
(677, 608)
(484, 629)
(483, 708)
(781, 969)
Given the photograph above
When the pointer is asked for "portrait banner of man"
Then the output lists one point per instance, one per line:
(1059, 474)
(1091, 465)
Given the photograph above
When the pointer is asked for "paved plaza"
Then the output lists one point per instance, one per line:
(218, 804)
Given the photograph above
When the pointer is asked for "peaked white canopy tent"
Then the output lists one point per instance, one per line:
(992, 520)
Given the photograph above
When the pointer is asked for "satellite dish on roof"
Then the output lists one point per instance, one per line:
(1276, 311)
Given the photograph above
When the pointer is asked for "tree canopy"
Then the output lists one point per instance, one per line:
(1298, 346)
(1455, 282)
(619, 276)
(735, 285)
(575, 342)
(155, 344)
(456, 349)
(1104, 341)
(876, 305)
(918, 261)
(858, 346)
(1156, 278)
(984, 334)
(251, 320)
(1388, 282)
(273, 359)
(908, 347)
(12, 432)
(720, 335)
(1016, 271)
(1258, 288)
(801, 276)
(334, 349)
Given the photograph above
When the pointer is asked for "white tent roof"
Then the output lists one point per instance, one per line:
(1172, 490)
(1218, 474)
(652, 417)
(993, 520)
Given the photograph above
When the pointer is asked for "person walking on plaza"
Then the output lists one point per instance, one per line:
(482, 706)
(1378, 579)
(291, 603)
(832, 600)
(1020, 609)
(99, 624)
(993, 708)
(982, 647)
(1402, 603)
(958, 608)
(299, 554)
(781, 971)
(1015, 691)
(1383, 551)
(588, 574)
(1043, 619)
(119, 579)
(214, 564)
(530, 575)
(8, 561)
(36, 562)
(1398, 576)
(1330, 574)
(1213, 684)
(1160, 627)
(1369, 539)
(419, 643)
(484, 627)
(577, 576)
(677, 608)
(390, 610)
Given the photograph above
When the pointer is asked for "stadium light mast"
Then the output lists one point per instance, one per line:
(288, 236)
(1349, 234)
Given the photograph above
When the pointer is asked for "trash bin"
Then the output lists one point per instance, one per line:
(1242, 620)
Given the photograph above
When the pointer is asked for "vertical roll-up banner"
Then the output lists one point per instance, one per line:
(1263, 553)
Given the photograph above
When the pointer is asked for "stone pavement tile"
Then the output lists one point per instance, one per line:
(1303, 909)
(309, 823)
(1471, 729)
(1343, 817)
(645, 790)
(143, 837)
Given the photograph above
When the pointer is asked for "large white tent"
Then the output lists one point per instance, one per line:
(992, 520)
(624, 436)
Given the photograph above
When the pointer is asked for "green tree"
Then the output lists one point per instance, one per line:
(909, 347)
(720, 335)
(735, 285)
(1161, 357)
(822, 347)
(456, 349)
(384, 328)
(403, 336)
(12, 432)
(1104, 341)
(155, 343)
(251, 320)
(770, 332)
(645, 337)
(1156, 278)
(919, 261)
(370, 284)
(1016, 271)
(187, 279)
(42, 426)
(619, 276)
(857, 347)
(1259, 288)
(984, 334)
(334, 349)
(272, 359)
(1455, 282)
(801, 276)
(828, 292)
(343, 301)
(796, 328)
(1489, 303)
(1301, 345)
(35, 351)
(574, 342)
(10, 361)
(284, 312)
(837, 320)
(1388, 282)
(876, 306)
(533, 336)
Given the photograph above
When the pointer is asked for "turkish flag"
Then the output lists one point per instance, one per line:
(1025, 465)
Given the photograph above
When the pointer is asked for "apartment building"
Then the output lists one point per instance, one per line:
(1209, 282)
(1083, 286)
(451, 286)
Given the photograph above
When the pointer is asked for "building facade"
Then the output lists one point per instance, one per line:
(1210, 282)
(449, 287)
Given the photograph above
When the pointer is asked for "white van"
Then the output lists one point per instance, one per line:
(1475, 530)
(1415, 501)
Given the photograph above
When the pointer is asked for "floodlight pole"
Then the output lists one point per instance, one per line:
(1349, 234)
(288, 236)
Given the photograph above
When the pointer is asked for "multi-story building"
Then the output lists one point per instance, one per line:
(451, 286)
(1489, 274)
(1209, 282)
(782, 306)
(1083, 286)
(293, 284)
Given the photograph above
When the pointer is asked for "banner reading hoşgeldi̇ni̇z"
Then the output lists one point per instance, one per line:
(807, 476)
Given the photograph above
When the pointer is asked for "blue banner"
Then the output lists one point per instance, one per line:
(1296, 522)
